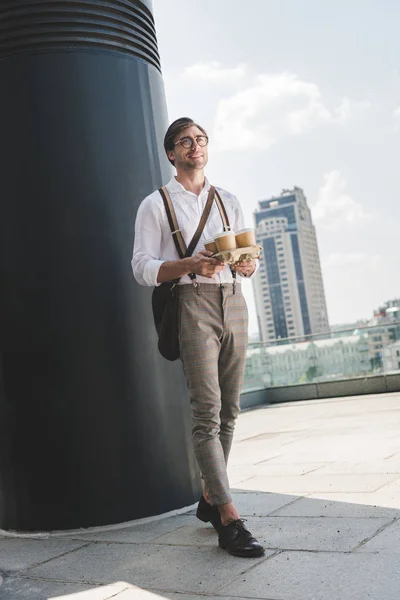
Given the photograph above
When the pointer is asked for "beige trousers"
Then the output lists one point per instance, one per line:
(213, 343)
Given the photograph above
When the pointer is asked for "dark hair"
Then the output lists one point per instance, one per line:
(175, 128)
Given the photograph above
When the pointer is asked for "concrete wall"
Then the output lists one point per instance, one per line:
(378, 384)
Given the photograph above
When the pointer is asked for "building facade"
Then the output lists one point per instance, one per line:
(289, 291)
(302, 362)
(384, 330)
(391, 357)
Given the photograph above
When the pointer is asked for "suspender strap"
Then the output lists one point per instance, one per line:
(203, 221)
(173, 223)
(177, 236)
(227, 227)
(222, 211)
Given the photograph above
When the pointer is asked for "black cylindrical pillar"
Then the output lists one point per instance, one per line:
(94, 424)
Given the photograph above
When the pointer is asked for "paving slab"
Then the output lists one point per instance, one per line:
(338, 452)
(260, 504)
(302, 533)
(240, 473)
(192, 535)
(315, 534)
(138, 533)
(246, 455)
(285, 469)
(36, 589)
(321, 576)
(150, 566)
(20, 553)
(137, 594)
(313, 482)
(387, 541)
(392, 488)
(370, 504)
(389, 465)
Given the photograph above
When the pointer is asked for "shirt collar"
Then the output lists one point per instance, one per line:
(174, 187)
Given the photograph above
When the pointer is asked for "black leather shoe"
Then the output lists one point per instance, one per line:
(238, 541)
(209, 514)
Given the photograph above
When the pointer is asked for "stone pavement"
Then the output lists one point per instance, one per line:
(319, 483)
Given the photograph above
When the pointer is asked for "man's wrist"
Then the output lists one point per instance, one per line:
(187, 262)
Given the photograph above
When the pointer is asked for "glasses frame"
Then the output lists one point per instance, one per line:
(193, 141)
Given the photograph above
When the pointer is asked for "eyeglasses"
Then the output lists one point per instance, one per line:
(187, 142)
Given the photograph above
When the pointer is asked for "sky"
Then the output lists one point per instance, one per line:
(303, 93)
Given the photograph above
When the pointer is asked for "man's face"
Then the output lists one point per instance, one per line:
(189, 159)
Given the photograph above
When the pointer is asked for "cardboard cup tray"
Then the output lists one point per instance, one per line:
(230, 257)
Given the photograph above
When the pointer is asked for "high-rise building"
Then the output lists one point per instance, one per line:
(288, 287)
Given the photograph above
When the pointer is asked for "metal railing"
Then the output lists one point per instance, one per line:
(331, 355)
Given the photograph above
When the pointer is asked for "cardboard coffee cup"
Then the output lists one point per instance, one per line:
(245, 237)
(225, 241)
(211, 246)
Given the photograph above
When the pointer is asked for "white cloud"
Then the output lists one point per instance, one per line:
(347, 108)
(335, 207)
(273, 107)
(214, 72)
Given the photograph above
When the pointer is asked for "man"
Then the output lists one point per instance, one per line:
(212, 316)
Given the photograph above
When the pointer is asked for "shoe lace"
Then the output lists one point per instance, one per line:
(240, 524)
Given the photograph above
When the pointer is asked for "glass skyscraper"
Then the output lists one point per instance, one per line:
(288, 287)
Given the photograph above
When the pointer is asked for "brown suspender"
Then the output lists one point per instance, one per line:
(177, 236)
(173, 223)
(222, 211)
(180, 244)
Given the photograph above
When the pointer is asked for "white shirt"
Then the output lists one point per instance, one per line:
(153, 239)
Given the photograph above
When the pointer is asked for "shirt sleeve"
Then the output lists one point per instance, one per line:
(146, 261)
(239, 224)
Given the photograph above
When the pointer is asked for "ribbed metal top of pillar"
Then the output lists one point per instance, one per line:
(33, 26)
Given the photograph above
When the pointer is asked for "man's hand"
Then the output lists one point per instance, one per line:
(245, 268)
(202, 264)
